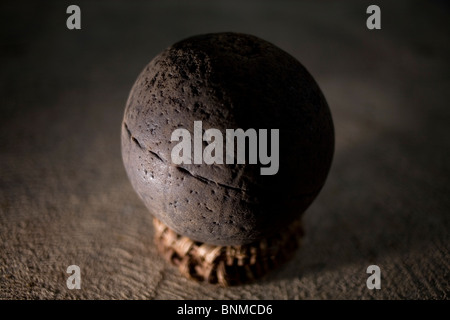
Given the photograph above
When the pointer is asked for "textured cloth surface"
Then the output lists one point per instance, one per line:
(65, 198)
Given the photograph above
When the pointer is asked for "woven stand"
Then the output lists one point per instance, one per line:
(226, 265)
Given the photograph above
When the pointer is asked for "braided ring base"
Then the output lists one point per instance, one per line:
(227, 265)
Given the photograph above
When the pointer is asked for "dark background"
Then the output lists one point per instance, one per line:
(65, 198)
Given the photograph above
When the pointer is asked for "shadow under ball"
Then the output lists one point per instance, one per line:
(227, 81)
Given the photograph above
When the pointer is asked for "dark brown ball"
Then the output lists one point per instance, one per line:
(227, 81)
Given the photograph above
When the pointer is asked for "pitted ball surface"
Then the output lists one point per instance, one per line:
(227, 81)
